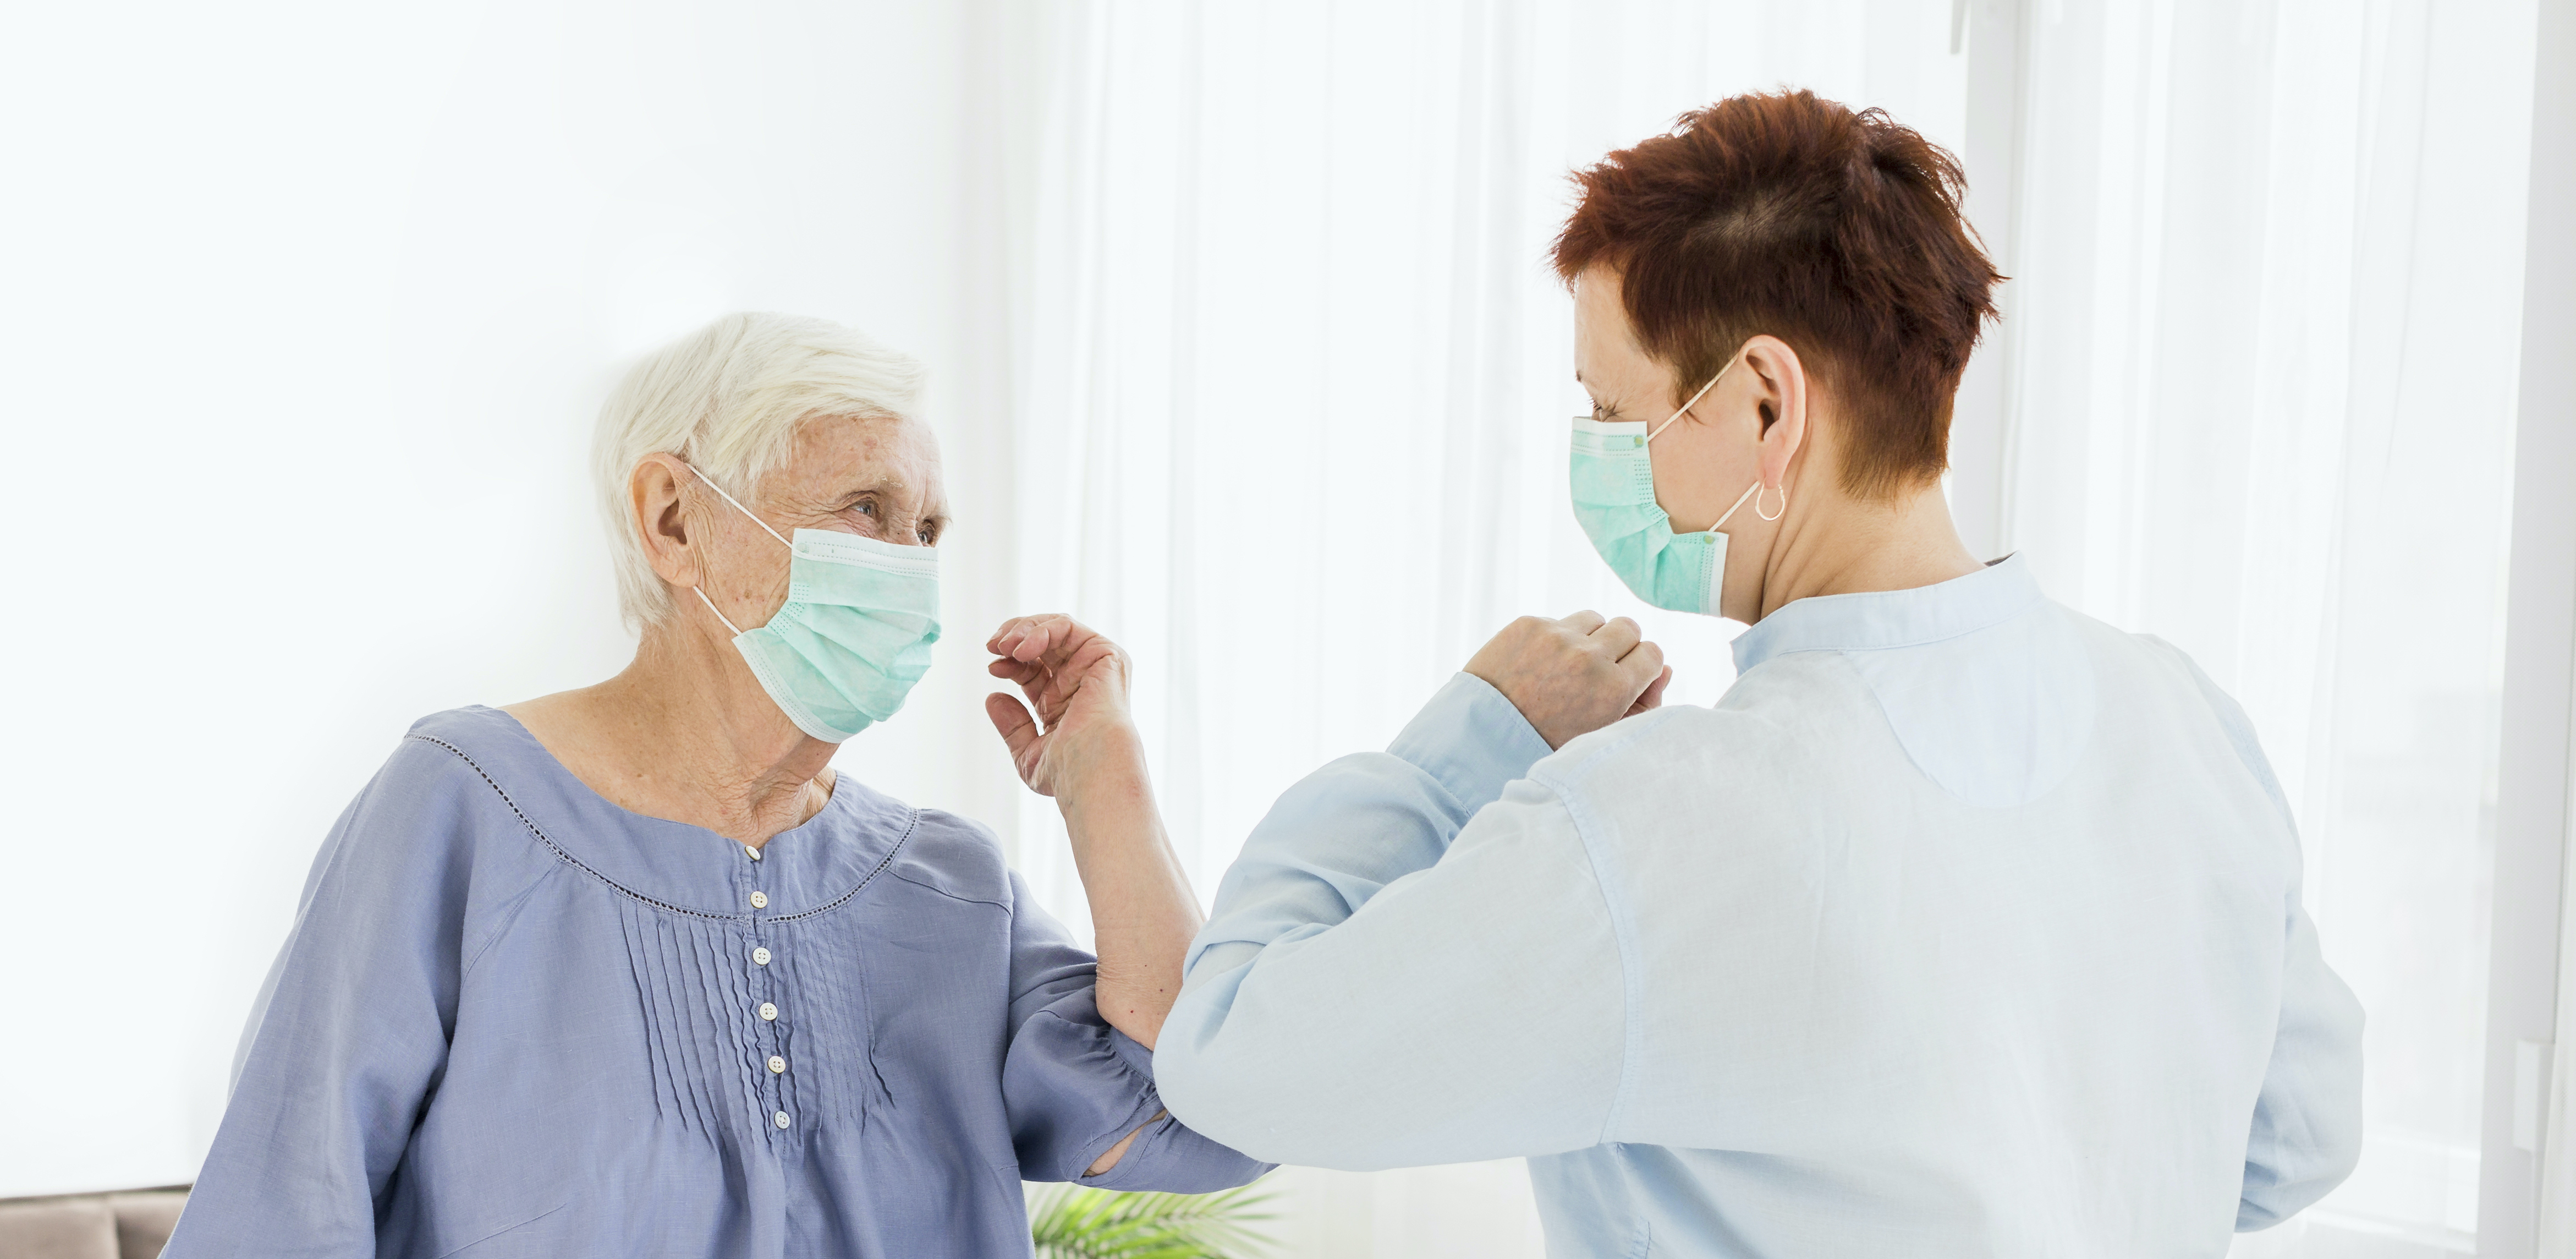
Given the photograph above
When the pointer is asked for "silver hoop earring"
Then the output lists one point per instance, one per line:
(1770, 516)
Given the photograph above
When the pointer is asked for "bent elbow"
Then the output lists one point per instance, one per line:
(1248, 1108)
(1203, 1095)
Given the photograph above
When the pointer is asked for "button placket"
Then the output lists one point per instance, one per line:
(764, 985)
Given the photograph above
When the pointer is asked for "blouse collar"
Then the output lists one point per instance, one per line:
(674, 865)
(1880, 619)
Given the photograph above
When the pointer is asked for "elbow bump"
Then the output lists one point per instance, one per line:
(1180, 1081)
(1192, 1090)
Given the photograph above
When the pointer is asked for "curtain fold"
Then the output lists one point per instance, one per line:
(2269, 301)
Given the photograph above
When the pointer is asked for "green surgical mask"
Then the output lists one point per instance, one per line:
(854, 635)
(1614, 501)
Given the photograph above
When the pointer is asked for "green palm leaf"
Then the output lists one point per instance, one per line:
(1070, 1222)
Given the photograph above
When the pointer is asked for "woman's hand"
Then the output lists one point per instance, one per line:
(1081, 747)
(1574, 676)
(1077, 681)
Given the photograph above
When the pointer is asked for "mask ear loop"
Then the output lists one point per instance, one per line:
(1749, 492)
(1694, 399)
(747, 511)
(701, 594)
(711, 607)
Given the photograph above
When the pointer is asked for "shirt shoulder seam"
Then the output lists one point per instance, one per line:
(928, 886)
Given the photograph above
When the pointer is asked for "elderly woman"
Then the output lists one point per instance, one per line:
(631, 970)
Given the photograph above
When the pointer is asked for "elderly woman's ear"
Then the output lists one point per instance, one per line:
(656, 496)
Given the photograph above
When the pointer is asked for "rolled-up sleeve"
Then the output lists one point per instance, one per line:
(1075, 1086)
(1411, 963)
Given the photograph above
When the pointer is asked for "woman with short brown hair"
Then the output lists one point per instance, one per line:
(1962, 924)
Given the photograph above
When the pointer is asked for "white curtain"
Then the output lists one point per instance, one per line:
(1292, 381)
(2268, 323)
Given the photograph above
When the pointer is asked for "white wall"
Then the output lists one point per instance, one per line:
(305, 310)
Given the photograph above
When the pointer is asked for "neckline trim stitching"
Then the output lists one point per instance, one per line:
(575, 862)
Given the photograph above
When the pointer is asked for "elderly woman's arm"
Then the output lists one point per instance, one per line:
(1143, 913)
(1089, 757)
(1081, 1094)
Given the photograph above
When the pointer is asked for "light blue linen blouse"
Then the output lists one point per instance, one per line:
(514, 1019)
(1962, 925)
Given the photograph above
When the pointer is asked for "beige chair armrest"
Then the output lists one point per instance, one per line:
(58, 1228)
(132, 1225)
(144, 1221)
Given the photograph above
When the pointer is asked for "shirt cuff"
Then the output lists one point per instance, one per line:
(1471, 740)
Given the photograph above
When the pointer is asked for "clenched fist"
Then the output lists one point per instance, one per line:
(1574, 676)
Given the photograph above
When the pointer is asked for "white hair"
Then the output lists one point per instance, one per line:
(728, 399)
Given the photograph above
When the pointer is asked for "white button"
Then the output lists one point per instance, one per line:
(751, 852)
(760, 900)
(768, 1010)
(761, 956)
(777, 1065)
(782, 1119)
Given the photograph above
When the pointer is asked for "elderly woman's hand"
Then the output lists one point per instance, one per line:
(1574, 676)
(1077, 681)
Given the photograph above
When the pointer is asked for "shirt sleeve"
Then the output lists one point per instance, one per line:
(2307, 1120)
(350, 1033)
(2306, 1136)
(1075, 1086)
(1411, 963)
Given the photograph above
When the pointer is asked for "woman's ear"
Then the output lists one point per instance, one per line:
(657, 513)
(1780, 399)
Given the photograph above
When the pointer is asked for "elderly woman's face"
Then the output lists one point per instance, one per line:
(874, 475)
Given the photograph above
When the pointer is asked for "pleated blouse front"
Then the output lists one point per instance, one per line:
(515, 1019)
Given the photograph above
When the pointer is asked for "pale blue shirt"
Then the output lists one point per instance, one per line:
(1961, 925)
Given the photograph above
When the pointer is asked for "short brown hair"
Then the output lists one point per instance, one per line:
(1836, 232)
